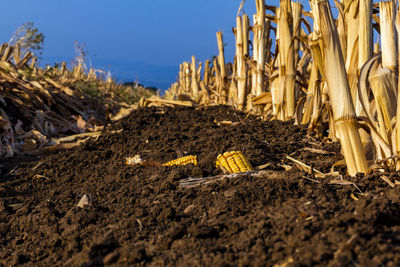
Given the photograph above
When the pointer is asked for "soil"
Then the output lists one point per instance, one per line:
(139, 215)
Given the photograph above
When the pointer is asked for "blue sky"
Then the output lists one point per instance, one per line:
(135, 39)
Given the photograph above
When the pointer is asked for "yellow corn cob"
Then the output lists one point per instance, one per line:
(182, 161)
(223, 164)
(233, 162)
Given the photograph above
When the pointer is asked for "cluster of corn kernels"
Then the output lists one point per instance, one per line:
(233, 162)
(182, 161)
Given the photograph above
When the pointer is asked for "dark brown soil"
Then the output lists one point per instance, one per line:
(140, 216)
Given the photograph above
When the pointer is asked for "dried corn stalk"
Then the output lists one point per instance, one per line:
(388, 36)
(365, 32)
(339, 91)
(259, 30)
(241, 63)
(222, 88)
(195, 84)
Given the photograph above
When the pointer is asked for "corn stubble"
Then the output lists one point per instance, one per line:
(328, 73)
(37, 105)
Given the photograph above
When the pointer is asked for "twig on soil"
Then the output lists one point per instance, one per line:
(307, 168)
(140, 225)
(16, 206)
(193, 182)
(318, 151)
(12, 171)
(74, 137)
(263, 166)
(38, 176)
(38, 165)
(386, 179)
(345, 182)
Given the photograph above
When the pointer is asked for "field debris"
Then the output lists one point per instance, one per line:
(137, 159)
(193, 182)
(85, 200)
(307, 168)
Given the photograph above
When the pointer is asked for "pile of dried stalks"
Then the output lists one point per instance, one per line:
(37, 105)
(321, 69)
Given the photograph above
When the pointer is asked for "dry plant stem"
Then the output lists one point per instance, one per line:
(205, 92)
(246, 52)
(186, 71)
(245, 33)
(341, 27)
(253, 76)
(221, 57)
(351, 18)
(181, 79)
(316, 105)
(241, 64)
(388, 40)
(221, 62)
(259, 51)
(206, 72)
(7, 53)
(297, 10)
(307, 168)
(198, 72)
(278, 84)
(339, 91)
(382, 147)
(287, 68)
(381, 82)
(352, 29)
(398, 95)
(195, 85)
(308, 107)
(365, 32)
(388, 37)
(276, 97)
(193, 182)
